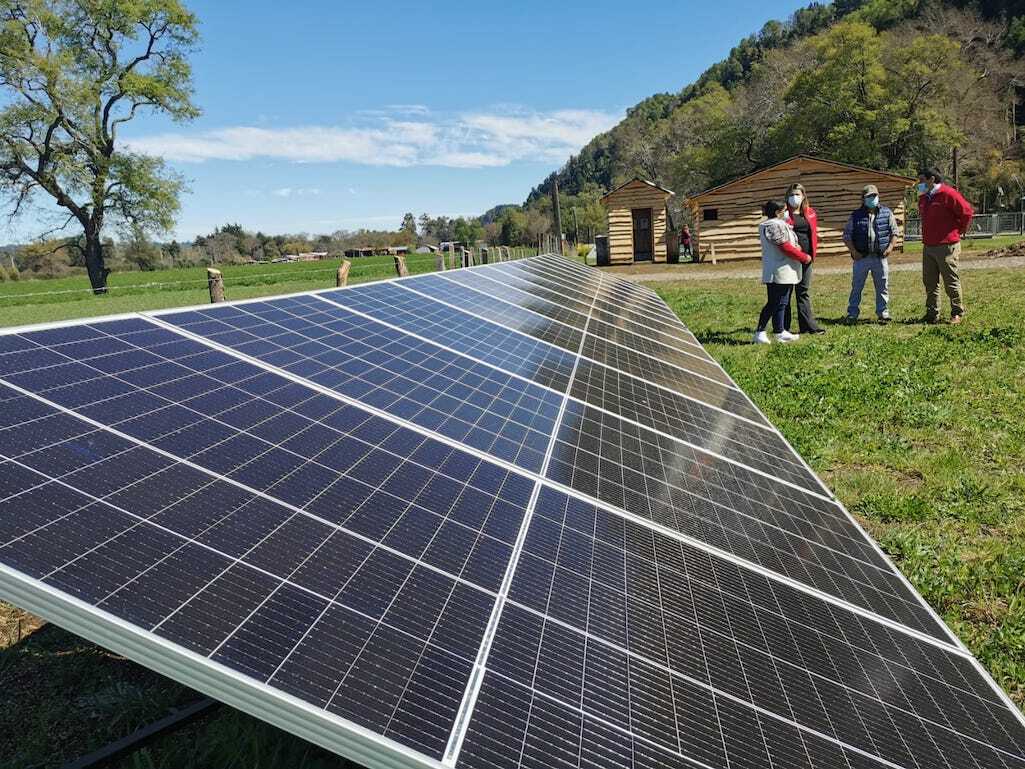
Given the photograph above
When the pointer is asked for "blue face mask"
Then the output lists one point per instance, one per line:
(872, 201)
(922, 188)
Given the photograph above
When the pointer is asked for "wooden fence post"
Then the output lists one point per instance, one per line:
(439, 261)
(484, 254)
(712, 246)
(400, 266)
(342, 276)
(466, 257)
(215, 282)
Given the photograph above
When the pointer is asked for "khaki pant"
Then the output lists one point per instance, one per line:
(941, 262)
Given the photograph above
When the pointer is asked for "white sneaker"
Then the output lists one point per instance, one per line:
(762, 338)
(786, 336)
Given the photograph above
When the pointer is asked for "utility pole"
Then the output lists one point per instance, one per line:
(576, 228)
(556, 213)
(953, 164)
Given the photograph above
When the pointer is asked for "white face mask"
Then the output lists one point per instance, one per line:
(795, 200)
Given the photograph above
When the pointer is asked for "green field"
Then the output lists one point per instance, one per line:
(918, 429)
(24, 302)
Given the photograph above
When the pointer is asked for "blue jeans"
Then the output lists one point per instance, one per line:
(880, 269)
(775, 306)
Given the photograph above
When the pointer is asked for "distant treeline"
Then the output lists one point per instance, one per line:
(233, 244)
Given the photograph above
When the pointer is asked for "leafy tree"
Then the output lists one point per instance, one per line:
(271, 251)
(408, 227)
(884, 14)
(877, 102)
(72, 72)
(512, 227)
(173, 252)
(45, 258)
(468, 231)
(140, 252)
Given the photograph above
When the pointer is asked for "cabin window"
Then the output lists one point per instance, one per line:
(709, 214)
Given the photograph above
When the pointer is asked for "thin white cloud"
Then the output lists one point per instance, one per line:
(299, 192)
(472, 140)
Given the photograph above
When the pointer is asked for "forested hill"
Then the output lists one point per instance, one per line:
(889, 84)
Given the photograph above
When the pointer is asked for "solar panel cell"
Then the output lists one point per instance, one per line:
(694, 362)
(501, 347)
(566, 311)
(680, 631)
(231, 581)
(413, 379)
(487, 306)
(753, 446)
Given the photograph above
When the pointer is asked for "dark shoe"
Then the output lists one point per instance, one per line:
(885, 318)
(816, 330)
(849, 321)
(932, 320)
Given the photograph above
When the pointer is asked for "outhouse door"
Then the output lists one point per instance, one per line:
(644, 247)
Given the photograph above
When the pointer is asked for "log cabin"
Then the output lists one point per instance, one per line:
(637, 220)
(726, 217)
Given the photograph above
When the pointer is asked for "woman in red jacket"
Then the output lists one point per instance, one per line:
(805, 221)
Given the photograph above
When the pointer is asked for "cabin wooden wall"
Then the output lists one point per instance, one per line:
(833, 192)
(621, 236)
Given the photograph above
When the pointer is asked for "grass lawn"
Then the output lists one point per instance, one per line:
(918, 429)
(24, 302)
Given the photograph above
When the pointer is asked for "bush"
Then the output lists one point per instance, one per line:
(583, 249)
(3, 274)
(13, 274)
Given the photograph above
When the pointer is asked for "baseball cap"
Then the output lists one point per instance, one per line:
(870, 189)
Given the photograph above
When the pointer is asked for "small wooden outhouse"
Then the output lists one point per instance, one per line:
(637, 219)
(726, 217)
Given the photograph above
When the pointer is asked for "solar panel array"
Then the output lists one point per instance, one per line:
(501, 517)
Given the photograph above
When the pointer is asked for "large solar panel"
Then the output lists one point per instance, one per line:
(501, 517)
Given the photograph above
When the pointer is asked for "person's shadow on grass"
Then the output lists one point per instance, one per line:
(738, 337)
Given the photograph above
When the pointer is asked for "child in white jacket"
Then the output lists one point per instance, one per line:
(782, 262)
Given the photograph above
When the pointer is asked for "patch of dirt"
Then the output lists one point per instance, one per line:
(16, 624)
(1015, 249)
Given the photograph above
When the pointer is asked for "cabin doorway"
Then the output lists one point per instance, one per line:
(644, 247)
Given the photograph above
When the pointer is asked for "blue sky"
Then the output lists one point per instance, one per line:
(319, 116)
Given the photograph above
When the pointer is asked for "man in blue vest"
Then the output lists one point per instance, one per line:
(870, 235)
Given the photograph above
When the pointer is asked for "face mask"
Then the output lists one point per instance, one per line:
(922, 188)
(795, 200)
(872, 201)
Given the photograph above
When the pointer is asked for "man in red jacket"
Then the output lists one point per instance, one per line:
(946, 217)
